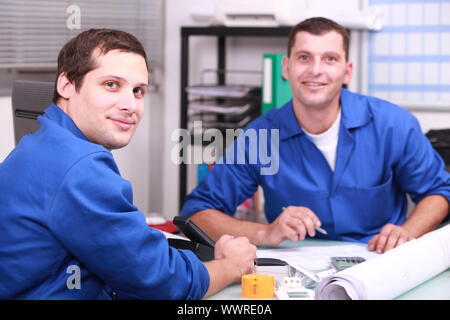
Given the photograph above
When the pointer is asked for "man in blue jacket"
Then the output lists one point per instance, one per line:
(69, 229)
(344, 162)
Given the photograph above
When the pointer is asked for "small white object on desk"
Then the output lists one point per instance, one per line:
(291, 289)
(155, 220)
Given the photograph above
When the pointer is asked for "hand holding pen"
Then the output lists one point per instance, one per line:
(293, 223)
(318, 228)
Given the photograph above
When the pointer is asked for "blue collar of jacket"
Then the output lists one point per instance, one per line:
(56, 115)
(355, 114)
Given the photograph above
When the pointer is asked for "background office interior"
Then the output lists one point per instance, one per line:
(407, 62)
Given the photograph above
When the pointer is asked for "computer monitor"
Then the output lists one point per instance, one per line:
(29, 100)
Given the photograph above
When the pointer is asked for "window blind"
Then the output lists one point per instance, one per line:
(33, 31)
(409, 59)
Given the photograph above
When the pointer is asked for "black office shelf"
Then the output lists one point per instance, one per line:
(221, 33)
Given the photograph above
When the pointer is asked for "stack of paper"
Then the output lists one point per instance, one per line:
(231, 91)
(218, 108)
(223, 106)
(392, 273)
(317, 258)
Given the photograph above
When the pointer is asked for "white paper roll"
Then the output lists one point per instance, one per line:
(392, 273)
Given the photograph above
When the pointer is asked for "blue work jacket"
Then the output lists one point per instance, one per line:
(382, 156)
(69, 229)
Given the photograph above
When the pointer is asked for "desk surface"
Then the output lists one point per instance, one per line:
(437, 288)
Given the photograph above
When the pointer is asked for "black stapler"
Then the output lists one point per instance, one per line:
(200, 244)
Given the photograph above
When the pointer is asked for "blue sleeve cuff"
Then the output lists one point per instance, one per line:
(200, 276)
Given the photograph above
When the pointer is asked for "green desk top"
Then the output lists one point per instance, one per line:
(437, 288)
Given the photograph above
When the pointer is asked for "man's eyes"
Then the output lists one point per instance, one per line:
(112, 84)
(139, 92)
(305, 57)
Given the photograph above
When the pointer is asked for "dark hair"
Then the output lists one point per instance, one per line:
(75, 58)
(319, 26)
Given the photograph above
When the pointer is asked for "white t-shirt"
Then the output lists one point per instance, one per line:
(327, 141)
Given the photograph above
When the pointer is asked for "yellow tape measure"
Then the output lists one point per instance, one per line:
(258, 286)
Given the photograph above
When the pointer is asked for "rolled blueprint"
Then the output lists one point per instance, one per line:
(392, 273)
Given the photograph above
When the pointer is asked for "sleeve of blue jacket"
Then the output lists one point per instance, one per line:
(93, 216)
(420, 170)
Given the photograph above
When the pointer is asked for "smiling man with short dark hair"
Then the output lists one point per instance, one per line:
(69, 228)
(346, 161)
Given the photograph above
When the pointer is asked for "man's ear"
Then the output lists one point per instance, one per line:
(284, 65)
(64, 86)
(348, 73)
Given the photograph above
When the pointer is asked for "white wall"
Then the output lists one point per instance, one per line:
(6, 127)
(433, 120)
(177, 15)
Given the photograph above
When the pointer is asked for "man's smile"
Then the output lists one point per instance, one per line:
(313, 84)
(123, 123)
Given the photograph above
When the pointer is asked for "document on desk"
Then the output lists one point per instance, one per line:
(392, 273)
(317, 258)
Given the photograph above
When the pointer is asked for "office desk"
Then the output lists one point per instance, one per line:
(437, 288)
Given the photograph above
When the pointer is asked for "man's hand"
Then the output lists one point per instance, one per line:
(234, 257)
(294, 223)
(391, 236)
(239, 251)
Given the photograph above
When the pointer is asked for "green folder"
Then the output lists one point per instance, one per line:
(276, 89)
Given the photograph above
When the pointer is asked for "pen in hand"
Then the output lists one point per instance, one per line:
(322, 231)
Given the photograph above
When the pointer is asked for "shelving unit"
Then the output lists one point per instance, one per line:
(221, 33)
